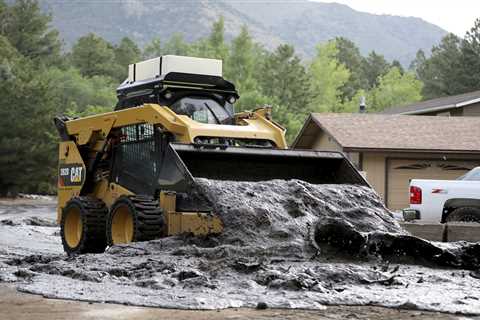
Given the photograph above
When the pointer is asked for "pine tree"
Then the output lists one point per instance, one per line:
(216, 40)
(442, 72)
(373, 67)
(153, 49)
(349, 55)
(283, 76)
(126, 52)
(176, 45)
(470, 48)
(92, 55)
(284, 79)
(27, 140)
(242, 69)
(28, 30)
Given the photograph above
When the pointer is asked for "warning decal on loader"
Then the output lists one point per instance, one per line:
(72, 174)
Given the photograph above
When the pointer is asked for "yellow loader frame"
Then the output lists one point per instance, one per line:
(94, 130)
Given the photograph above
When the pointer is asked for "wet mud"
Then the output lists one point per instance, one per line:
(286, 244)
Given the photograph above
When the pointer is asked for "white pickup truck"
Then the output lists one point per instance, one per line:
(445, 200)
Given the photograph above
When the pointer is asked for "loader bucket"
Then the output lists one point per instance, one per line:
(256, 164)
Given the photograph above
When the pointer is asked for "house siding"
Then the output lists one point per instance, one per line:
(374, 168)
(472, 110)
(326, 142)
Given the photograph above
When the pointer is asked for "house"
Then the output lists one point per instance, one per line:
(392, 149)
(467, 104)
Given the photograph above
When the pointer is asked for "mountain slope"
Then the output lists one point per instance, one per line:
(299, 22)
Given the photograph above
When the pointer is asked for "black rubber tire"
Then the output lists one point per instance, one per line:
(465, 214)
(93, 213)
(148, 220)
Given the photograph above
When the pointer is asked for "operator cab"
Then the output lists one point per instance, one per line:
(189, 86)
(204, 109)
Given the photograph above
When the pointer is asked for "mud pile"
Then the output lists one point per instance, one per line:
(286, 244)
(292, 218)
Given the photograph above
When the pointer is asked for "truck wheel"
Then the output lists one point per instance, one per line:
(465, 214)
(83, 225)
(134, 218)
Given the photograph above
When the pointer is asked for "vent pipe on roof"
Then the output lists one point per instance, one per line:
(362, 107)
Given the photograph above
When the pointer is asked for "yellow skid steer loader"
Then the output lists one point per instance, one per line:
(127, 175)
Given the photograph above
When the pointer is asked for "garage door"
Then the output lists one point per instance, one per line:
(400, 172)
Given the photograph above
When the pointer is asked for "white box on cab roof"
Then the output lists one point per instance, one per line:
(159, 66)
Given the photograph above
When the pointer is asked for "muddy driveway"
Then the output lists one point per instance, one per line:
(20, 306)
(296, 246)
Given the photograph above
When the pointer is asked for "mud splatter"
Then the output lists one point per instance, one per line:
(287, 244)
(31, 221)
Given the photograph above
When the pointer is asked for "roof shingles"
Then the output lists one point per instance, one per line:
(430, 105)
(402, 132)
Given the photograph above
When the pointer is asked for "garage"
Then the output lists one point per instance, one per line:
(401, 171)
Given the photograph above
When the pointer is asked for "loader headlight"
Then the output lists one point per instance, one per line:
(168, 95)
(231, 100)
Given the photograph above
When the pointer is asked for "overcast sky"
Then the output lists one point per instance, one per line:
(456, 16)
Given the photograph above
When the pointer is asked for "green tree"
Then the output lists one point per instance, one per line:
(3, 17)
(418, 62)
(291, 121)
(442, 72)
(470, 48)
(27, 139)
(327, 77)
(242, 67)
(126, 52)
(398, 65)
(93, 56)
(176, 45)
(28, 30)
(8, 55)
(75, 93)
(394, 89)
(214, 45)
(153, 49)
(284, 79)
(374, 66)
(216, 40)
(282, 75)
(349, 55)
(453, 67)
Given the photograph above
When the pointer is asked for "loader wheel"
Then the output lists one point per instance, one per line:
(465, 214)
(134, 218)
(83, 225)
